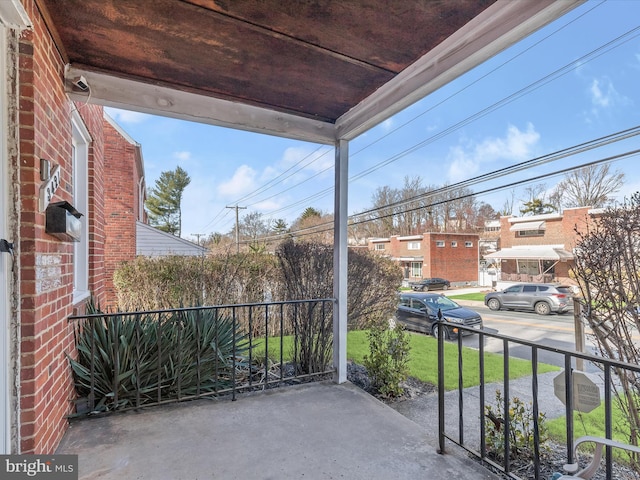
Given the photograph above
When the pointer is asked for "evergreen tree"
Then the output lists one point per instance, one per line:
(164, 200)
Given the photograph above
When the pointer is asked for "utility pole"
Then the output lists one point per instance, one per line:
(198, 235)
(237, 226)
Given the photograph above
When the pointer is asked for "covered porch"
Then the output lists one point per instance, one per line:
(315, 430)
(532, 263)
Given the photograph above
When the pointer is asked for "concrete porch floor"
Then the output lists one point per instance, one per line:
(316, 431)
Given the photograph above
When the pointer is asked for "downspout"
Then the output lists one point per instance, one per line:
(340, 262)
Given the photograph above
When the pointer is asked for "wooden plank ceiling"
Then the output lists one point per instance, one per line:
(302, 60)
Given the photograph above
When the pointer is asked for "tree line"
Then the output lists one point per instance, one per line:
(414, 208)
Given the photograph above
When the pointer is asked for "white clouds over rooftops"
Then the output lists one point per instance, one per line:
(516, 145)
(241, 183)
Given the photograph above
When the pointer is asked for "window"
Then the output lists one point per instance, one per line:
(439, 243)
(529, 267)
(454, 244)
(529, 288)
(531, 233)
(413, 246)
(379, 246)
(80, 184)
(416, 269)
(468, 244)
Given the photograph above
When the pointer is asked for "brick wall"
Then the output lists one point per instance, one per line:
(455, 263)
(46, 263)
(122, 174)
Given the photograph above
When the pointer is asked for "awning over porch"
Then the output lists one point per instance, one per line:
(537, 252)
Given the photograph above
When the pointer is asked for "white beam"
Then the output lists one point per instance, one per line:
(340, 262)
(142, 97)
(498, 27)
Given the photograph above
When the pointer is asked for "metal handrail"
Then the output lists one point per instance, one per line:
(252, 324)
(606, 366)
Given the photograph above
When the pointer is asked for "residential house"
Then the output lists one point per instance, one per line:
(453, 256)
(539, 248)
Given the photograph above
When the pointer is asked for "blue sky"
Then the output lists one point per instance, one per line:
(576, 80)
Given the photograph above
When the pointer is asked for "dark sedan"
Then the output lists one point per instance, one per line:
(419, 312)
(430, 284)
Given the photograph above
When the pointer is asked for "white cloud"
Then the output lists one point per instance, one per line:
(126, 116)
(516, 145)
(599, 97)
(242, 182)
(313, 160)
(182, 156)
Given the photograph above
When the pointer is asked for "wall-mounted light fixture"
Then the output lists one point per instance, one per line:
(45, 169)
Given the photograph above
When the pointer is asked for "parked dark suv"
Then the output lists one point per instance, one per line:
(430, 284)
(542, 298)
(419, 312)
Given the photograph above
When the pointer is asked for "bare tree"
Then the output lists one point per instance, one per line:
(590, 186)
(606, 268)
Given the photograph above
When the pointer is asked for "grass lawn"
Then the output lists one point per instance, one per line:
(592, 423)
(468, 296)
(423, 359)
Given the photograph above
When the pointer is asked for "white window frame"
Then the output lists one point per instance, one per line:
(380, 246)
(81, 139)
(454, 244)
(416, 269)
(440, 243)
(468, 244)
(413, 246)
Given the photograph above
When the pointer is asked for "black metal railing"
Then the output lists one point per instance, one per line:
(128, 360)
(466, 412)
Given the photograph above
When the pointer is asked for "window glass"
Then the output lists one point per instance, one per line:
(416, 269)
(439, 243)
(454, 244)
(413, 246)
(468, 244)
(379, 246)
(514, 289)
(542, 288)
(529, 288)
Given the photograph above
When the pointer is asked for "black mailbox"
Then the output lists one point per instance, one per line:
(63, 221)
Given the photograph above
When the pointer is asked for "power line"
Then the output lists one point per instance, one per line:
(605, 48)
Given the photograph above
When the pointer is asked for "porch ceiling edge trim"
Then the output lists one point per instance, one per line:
(112, 91)
(497, 28)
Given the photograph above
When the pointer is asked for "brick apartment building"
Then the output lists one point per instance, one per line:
(539, 248)
(453, 256)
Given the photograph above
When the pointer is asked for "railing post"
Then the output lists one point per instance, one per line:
(441, 412)
(579, 332)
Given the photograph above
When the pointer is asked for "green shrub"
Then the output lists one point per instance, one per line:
(521, 423)
(388, 361)
(154, 357)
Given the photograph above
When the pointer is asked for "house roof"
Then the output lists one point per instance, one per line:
(316, 71)
(151, 242)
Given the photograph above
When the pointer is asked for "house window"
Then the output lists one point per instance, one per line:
(529, 267)
(468, 244)
(413, 245)
(454, 244)
(416, 269)
(439, 243)
(530, 233)
(379, 246)
(80, 184)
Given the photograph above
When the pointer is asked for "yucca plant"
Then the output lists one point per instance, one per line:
(142, 358)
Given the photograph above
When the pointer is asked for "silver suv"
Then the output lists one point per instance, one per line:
(542, 298)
